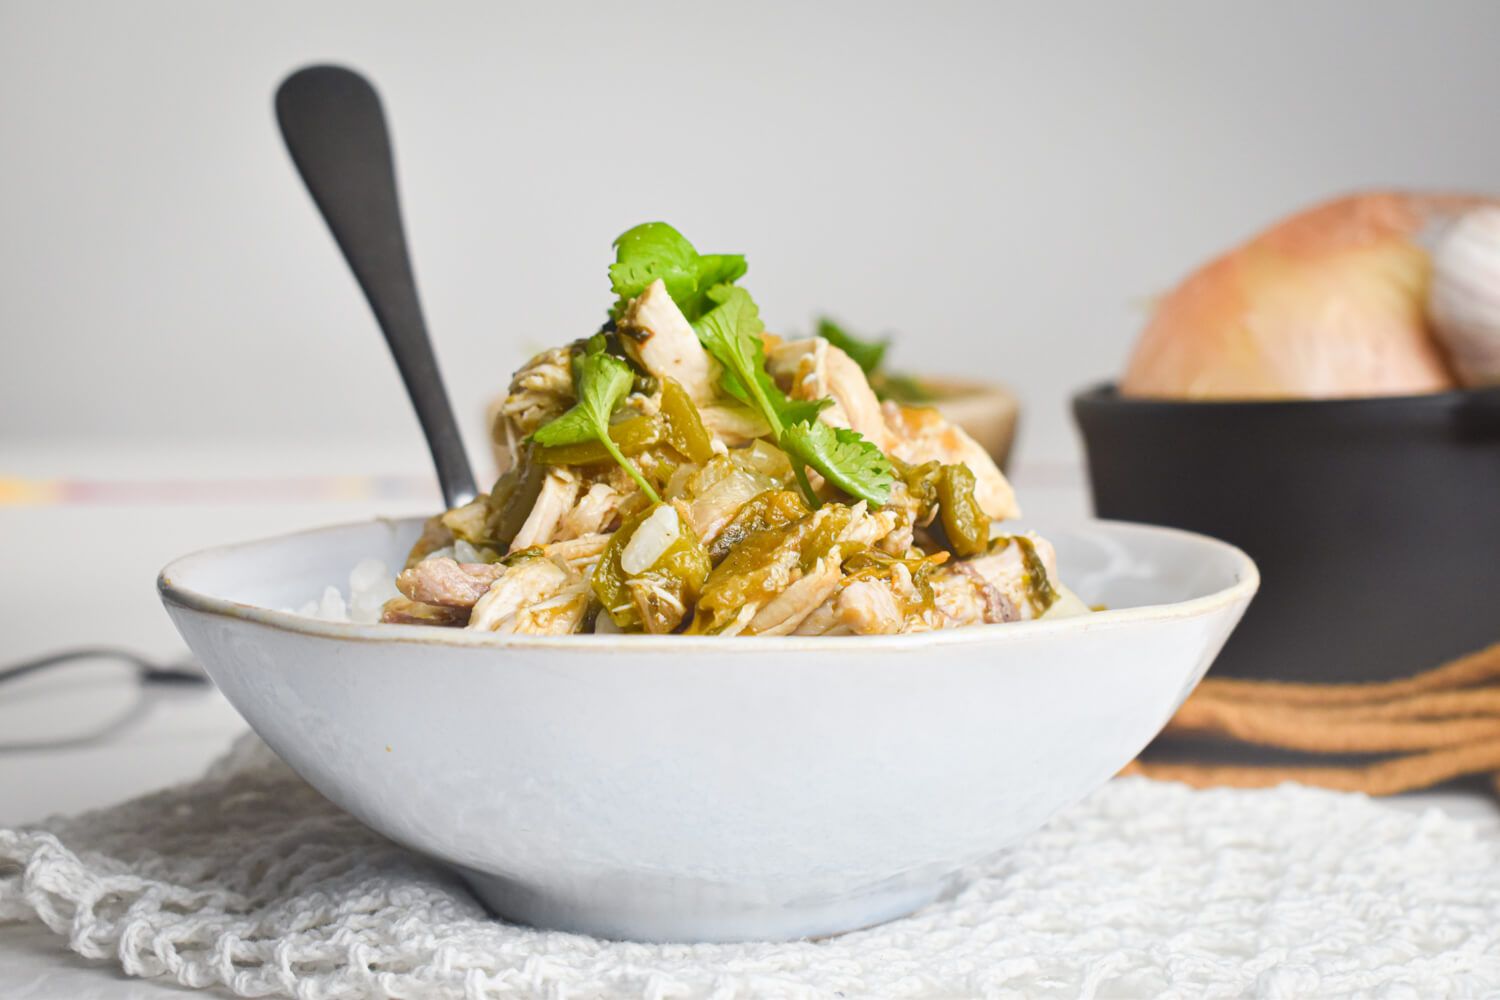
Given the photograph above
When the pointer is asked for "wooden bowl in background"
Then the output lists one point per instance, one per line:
(986, 410)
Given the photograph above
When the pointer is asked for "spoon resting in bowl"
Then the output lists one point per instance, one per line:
(335, 131)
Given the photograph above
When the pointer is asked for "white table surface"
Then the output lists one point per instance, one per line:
(170, 735)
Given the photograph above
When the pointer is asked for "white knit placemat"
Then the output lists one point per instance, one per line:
(248, 879)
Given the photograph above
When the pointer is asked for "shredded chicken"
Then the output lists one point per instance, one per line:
(823, 620)
(816, 369)
(577, 553)
(540, 391)
(997, 605)
(402, 611)
(656, 334)
(993, 587)
(919, 434)
(1006, 573)
(596, 511)
(875, 605)
(784, 612)
(869, 527)
(869, 607)
(899, 538)
(559, 490)
(560, 614)
(520, 600)
(660, 610)
(447, 583)
(797, 594)
(963, 601)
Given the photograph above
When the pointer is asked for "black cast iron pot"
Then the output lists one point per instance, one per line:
(1375, 522)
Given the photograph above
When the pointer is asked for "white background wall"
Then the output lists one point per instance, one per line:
(1005, 185)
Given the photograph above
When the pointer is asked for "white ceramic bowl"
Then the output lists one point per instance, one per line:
(699, 788)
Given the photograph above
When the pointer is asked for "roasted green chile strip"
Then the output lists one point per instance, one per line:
(492, 519)
(657, 599)
(751, 574)
(511, 501)
(872, 564)
(921, 484)
(964, 521)
(632, 436)
(771, 509)
(684, 426)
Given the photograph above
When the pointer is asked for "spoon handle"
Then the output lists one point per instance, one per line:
(335, 130)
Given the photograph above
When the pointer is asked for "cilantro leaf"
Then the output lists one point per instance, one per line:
(844, 457)
(730, 331)
(720, 269)
(574, 427)
(655, 250)
(601, 381)
(866, 353)
(651, 251)
(800, 411)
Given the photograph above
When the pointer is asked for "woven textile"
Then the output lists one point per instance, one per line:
(247, 879)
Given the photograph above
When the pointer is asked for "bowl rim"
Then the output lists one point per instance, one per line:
(962, 387)
(1107, 394)
(174, 594)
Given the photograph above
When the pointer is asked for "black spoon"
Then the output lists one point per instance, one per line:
(333, 125)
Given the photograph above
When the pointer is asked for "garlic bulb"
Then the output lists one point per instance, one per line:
(1464, 302)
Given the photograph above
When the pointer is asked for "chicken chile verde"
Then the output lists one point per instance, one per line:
(685, 471)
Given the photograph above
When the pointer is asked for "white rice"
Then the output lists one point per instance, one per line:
(371, 584)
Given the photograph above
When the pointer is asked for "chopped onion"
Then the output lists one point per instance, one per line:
(651, 541)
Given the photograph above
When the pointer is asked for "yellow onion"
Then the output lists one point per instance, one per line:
(1328, 303)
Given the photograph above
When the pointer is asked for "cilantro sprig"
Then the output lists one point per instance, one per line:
(845, 458)
(728, 325)
(655, 250)
(601, 381)
(731, 333)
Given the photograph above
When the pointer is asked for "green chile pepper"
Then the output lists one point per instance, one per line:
(632, 436)
(492, 519)
(771, 509)
(685, 430)
(964, 521)
(748, 574)
(922, 484)
(658, 599)
(511, 500)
